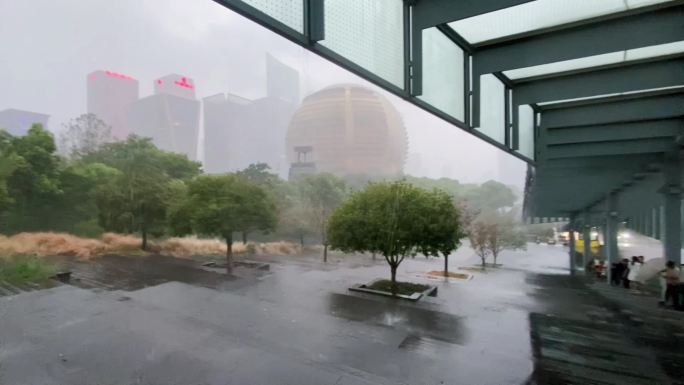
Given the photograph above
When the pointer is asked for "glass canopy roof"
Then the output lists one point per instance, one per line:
(597, 60)
(537, 15)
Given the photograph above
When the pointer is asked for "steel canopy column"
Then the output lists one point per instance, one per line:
(611, 233)
(571, 244)
(586, 235)
(671, 231)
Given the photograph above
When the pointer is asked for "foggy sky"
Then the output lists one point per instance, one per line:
(48, 47)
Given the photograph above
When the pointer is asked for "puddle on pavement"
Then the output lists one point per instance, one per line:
(417, 321)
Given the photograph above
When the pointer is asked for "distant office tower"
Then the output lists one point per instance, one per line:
(18, 122)
(170, 117)
(109, 95)
(239, 131)
(350, 130)
(282, 82)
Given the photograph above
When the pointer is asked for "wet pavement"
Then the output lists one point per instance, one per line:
(167, 321)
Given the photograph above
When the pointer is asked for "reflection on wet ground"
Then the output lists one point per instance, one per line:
(160, 320)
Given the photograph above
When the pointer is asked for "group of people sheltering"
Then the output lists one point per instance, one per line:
(625, 272)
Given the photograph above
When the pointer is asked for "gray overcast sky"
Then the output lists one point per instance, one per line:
(48, 47)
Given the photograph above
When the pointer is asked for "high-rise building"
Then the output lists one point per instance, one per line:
(18, 122)
(282, 82)
(350, 130)
(109, 95)
(239, 131)
(170, 116)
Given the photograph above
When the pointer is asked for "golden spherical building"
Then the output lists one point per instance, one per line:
(347, 130)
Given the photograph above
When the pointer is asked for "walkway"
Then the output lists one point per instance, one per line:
(299, 325)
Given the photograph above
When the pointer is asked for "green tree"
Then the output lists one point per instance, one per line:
(119, 154)
(321, 194)
(477, 235)
(220, 205)
(34, 183)
(84, 135)
(260, 175)
(8, 162)
(293, 215)
(442, 228)
(490, 196)
(137, 199)
(503, 234)
(387, 218)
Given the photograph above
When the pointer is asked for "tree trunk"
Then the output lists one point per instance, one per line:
(144, 238)
(483, 263)
(244, 238)
(301, 241)
(446, 265)
(394, 278)
(325, 253)
(229, 254)
(494, 259)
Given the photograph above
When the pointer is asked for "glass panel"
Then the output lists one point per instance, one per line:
(289, 12)
(597, 60)
(369, 33)
(526, 131)
(538, 14)
(492, 108)
(443, 73)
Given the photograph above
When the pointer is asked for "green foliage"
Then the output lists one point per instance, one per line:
(491, 196)
(220, 205)
(442, 230)
(120, 155)
(84, 135)
(32, 178)
(320, 194)
(477, 235)
(389, 218)
(21, 269)
(492, 232)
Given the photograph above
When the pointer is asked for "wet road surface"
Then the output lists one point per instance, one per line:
(166, 321)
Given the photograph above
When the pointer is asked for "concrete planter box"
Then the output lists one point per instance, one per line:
(365, 288)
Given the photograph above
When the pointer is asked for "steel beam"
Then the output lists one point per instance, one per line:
(628, 30)
(430, 13)
(606, 80)
(615, 131)
(637, 146)
(643, 27)
(613, 110)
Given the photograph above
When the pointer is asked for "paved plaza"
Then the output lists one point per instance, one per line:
(166, 321)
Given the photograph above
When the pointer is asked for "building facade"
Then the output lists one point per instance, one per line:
(171, 116)
(239, 131)
(109, 94)
(18, 122)
(350, 130)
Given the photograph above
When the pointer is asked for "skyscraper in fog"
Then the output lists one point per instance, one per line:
(282, 82)
(170, 116)
(18, 122)
(239, 131)
(109, 95)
